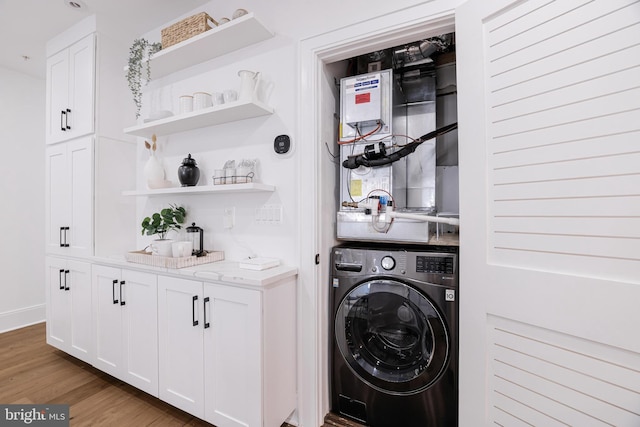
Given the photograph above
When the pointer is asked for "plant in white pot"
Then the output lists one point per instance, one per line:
(161, 223)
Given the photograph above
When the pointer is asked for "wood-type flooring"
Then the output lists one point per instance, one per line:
(32, 372)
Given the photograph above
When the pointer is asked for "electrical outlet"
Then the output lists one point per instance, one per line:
(229, 217)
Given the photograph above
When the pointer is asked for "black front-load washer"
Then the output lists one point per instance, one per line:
(394, 335)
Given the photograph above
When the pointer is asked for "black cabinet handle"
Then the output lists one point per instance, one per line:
(193, 310)
(66, 119)
(62, 115)
(113, 291)
(63, 237)
(121, 297)
(66, 282)
(60, 285)
(206, 324)
(66, 236)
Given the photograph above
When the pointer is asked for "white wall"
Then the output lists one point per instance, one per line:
(22, 119)
(277, 60)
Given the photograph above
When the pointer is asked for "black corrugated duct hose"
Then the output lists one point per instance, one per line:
(354, 162)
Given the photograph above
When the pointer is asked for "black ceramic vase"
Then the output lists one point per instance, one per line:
(188, 172)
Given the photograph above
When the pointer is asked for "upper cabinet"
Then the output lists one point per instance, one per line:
(218, 41)
(71, 91)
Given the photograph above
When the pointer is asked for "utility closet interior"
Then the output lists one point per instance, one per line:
(416, 96)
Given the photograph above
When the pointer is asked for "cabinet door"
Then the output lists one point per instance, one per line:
(58, 320)
(78, 285)
(180, 339)
(139, 293)
(71, 92)
(56, 198)
(57, 99)
(233, 356)
(80, 118)
(69, 197)
(107, 319)
(80, 182)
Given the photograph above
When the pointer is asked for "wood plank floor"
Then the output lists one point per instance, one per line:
(32, 372)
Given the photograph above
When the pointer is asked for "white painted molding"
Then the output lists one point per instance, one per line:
(16, 319)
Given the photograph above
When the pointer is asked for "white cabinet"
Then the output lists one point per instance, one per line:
(68, 294)
(70, 91)
(227, 354)
(88, 164)
(233, 356)
(125, 326)
(181, 344)
(69, 197)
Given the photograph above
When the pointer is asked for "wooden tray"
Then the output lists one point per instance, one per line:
(142, 257)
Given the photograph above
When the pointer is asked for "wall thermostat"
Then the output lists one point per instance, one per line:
(282, 144)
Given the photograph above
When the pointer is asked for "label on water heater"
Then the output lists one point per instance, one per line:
(362, 99)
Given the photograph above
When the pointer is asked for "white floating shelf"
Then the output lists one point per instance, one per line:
(218, 114)
(218, 41)
(251, 187)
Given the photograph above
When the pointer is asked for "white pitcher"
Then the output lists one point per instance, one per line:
(249, 84)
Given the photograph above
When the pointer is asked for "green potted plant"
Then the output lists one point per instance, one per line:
(161, 223)
(140, 51)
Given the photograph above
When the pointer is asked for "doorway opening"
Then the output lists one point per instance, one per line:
(321, 60)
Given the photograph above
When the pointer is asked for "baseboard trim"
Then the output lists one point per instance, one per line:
(16, 319)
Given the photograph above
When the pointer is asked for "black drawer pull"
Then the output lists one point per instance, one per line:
(61, 286)
(121, 296)
(206, 324)
(66, 282)
(113, 291)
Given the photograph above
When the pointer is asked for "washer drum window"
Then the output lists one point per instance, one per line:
(392, 337)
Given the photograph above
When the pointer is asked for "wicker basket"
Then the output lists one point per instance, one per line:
(187, 28)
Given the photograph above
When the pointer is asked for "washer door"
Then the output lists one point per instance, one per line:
(392, 336)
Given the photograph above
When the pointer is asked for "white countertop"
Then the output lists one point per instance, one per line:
(222, 271)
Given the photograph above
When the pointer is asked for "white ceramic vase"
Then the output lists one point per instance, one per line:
(153, 171)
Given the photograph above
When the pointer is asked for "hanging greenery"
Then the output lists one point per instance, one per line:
(141, 51)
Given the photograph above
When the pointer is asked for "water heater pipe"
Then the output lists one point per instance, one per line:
(424, 218)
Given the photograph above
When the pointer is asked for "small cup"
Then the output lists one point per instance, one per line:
(187, 248)
(177, 249)
(219, 177)
(238, 13)
(230, 95)
(186, 104)
(218, 98)
(242, 175)
(230, 175)
(201, 100)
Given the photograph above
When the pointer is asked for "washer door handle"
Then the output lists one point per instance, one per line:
(348, 266)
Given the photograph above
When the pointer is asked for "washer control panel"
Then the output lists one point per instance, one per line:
(434, 264)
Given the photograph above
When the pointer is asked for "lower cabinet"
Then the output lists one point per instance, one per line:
(68, 295)
(125, 326)
(215, 351)
(221, 352)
